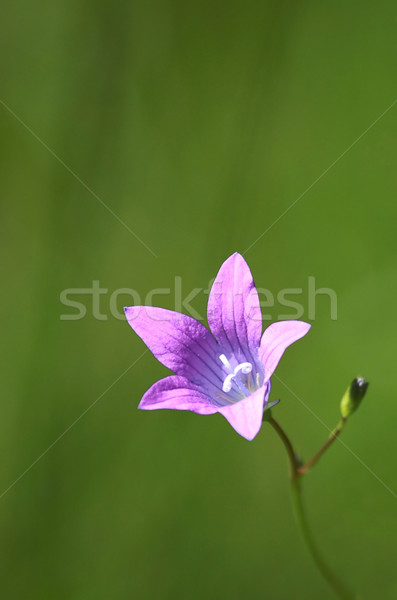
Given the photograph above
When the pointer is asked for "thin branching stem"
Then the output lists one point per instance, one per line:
(334, 434)
(296, 490)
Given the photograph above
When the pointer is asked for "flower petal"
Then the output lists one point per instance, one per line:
(177, 393)
(181, 343)
(234, 313)
(276, 338)
(246, 416)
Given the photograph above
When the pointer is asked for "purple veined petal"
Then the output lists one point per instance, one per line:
(233, 312)
(177, 393)
(276, 338)
(180, 343)
(246, 416)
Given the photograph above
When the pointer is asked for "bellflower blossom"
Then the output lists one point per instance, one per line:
(225, 368)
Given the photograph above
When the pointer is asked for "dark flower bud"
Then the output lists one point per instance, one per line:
(353, 396)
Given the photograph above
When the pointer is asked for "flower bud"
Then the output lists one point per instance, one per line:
(353, 396)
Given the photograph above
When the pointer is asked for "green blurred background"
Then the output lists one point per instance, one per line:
(198, 124)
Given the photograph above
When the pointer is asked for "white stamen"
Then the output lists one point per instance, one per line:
(226, 363)
(227, 384)
(244, 367)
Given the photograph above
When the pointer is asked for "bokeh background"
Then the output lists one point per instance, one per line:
(198, 124)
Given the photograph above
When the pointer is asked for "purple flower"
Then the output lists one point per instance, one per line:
(226, 369)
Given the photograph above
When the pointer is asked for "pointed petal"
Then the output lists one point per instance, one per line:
(177, 393)
(276, 338)
(234, 313)
(181, 343)
(246, 416)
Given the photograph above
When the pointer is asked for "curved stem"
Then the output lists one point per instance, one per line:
(325, 571)
(288, 446)
(296, 474)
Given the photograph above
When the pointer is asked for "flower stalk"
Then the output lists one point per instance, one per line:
(296, 474)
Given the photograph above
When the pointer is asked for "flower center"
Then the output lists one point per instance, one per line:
(244, 368)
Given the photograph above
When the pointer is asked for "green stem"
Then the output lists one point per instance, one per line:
(296, 474)
(293, 460)
(338, 587)
(334, 434)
